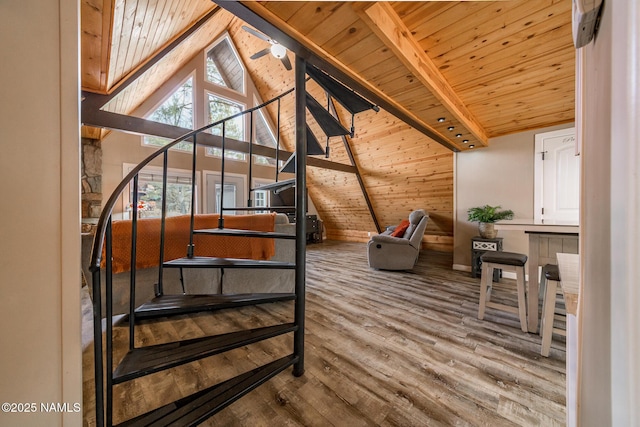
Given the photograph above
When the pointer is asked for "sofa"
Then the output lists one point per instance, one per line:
(198, 280)
(398, 247)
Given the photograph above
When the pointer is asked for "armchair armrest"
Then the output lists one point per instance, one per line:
(385, 238)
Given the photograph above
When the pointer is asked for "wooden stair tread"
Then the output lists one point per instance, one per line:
(146, 360)
(209, 262)
(167, 305)
(194, 409)
(244, 233)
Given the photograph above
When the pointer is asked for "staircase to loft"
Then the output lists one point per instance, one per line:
(140, 361)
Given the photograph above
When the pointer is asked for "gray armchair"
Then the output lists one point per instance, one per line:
(386, 252)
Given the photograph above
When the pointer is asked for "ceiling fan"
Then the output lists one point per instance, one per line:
(276, 49)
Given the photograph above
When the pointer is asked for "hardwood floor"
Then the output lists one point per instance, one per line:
(382, 348)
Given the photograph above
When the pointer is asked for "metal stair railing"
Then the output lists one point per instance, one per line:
(103, 243)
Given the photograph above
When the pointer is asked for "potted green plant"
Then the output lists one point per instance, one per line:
(485, 216)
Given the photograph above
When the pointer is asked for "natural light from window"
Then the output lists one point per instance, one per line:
(223, 67)
(220, 108)
(265, 137)
(176, 110)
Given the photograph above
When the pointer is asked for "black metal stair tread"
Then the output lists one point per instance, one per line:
(204, 262)
(167, 305)
(279, 185)
(244, 233)
(194, 409)
(345, 96)
(329, 124)
(146, 360)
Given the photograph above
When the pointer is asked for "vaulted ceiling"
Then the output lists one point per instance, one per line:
(489, 68)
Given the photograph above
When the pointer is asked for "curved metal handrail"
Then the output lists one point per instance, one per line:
(101, 228)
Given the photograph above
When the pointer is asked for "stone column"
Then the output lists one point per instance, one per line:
(91, 183)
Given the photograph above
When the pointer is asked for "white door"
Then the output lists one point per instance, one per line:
(233, 194)
(557, 178)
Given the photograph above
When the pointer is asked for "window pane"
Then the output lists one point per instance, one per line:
(224, 67)
(150, 199)
(219, 109)
(229, 198)
(261, 197)
(264, 137)
(177, 110)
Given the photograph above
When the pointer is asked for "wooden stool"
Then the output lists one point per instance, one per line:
(506, 261)
(550, 275)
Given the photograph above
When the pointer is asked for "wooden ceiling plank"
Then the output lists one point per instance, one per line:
(107, 40)
(142, 26)
(564, 59)
(505, 20)
(92, 37)
(513, 87)
(422, 12)
(284, 10)
(346, 37)
(527, 103)
(428, 28)
(156, 39)
(321, 34)
(383, 21)
(370, 59)
(314, 14)
(538, 40)
(125, 16)
(466, 72)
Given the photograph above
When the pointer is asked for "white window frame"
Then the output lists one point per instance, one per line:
(192, 76)
(223, 37)
(217, 174)
(255, 185)
(245, 125)
(156, 170)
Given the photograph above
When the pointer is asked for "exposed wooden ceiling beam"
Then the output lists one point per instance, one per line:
(388, 26)
(109, 120)
(258, 16)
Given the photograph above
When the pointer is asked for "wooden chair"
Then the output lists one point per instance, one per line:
(549, 281)
(506, 261)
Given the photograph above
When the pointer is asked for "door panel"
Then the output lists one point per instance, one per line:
(557, 178)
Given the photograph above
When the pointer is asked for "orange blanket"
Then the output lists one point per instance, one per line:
(177, 239)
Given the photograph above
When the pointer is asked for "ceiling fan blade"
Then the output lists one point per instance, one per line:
(260, 54)
(255, 33)
(286, 62)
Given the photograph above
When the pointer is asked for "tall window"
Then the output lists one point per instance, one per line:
(220, 108)
(265, 137)
(223, 66)
(176, 110)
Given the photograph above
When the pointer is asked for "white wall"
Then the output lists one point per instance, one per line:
(609, 342)
(40, 356)
(501, 174)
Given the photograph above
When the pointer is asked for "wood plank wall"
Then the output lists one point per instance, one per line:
(402, 169)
